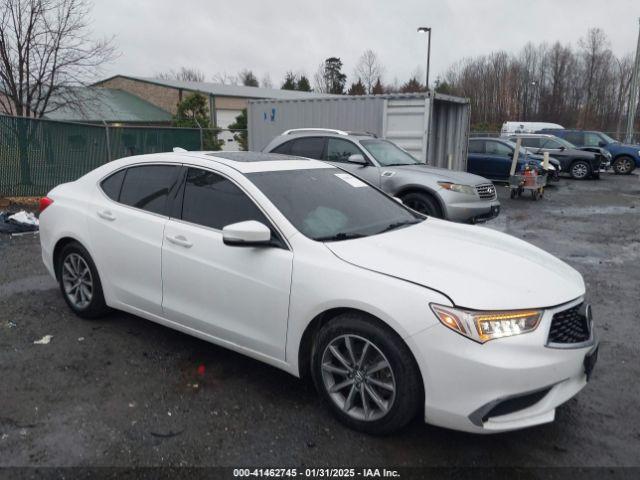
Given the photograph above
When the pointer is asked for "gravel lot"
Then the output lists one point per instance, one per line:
(123, 391)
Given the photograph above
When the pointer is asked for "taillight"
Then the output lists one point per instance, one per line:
(44, 203)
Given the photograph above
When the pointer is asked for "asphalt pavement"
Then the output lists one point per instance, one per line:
(123, 391)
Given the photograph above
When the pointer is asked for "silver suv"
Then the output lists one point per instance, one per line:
(438, 192)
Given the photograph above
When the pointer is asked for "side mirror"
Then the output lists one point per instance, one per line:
(358, 159)
(602, 143)
(246, 234)
(562, 148)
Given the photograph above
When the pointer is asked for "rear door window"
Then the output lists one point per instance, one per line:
(577, 138)
(147, 187)
(310, 147)
(476, 146)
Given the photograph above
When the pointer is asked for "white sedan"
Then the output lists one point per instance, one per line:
(303, 266)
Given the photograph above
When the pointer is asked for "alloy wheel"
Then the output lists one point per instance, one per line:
(623, 165)
(77, 280)
(358, 377)
(579, 170)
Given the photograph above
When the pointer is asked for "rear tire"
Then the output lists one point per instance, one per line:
(79, 282)
(623, 165)
(378, 392)
(422, 203)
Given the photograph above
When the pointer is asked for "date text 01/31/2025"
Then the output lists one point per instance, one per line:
(315, 473)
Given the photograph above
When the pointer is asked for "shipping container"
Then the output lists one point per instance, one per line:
(434, 128)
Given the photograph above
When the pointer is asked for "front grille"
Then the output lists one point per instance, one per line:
(570, 326)
(486, 191)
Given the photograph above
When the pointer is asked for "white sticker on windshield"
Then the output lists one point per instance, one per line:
(351, 180)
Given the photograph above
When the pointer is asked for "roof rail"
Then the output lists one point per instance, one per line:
(178, 149)
(326, 130)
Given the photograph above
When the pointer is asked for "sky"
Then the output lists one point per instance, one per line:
(275, 36)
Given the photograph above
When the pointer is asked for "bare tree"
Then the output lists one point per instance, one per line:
(585, 87)
(320, 80)
(369, 69)
(45, 52)
(592, 47)
(185, 74)
(266, 81)
(225, 78)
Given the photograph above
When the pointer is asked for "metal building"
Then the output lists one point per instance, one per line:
(434, 128)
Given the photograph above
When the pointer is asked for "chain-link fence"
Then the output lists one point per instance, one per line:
(36, 155)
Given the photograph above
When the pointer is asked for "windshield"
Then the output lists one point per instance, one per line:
(552, 143)
(329, 204)
(388, 154)
(512, 144)
(607, 138)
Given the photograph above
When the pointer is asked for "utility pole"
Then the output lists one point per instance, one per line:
(633, 94)
(427, 30)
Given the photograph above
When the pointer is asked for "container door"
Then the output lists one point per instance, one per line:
(406, 124)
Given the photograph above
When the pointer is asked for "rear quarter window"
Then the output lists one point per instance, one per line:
(111, 185)
(283, 149)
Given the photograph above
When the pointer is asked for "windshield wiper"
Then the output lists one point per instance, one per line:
(404, 223)
(340, 236)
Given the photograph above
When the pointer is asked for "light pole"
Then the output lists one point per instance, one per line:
(428, 31)
(633, 95)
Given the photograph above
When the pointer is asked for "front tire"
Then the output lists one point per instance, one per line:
(580, 170)
(79, 282)
(623, 165)
(422, 203)
(366, 374)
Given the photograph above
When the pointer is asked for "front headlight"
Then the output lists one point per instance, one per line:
(484, 326)
(455, 187)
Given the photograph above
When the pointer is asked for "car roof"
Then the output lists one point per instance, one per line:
(498, 139)
(529, 135)
(243, 162)
(324, 132)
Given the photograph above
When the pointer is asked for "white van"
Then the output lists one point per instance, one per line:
(509, 128)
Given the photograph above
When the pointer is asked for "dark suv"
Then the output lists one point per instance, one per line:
(580, 164)
(624, 158)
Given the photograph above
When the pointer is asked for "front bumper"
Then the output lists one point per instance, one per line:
(470, 211)
(467, 382)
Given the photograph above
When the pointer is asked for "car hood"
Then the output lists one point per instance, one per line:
(625, 146)
(440, 174)
(475, 267)
(574, 153)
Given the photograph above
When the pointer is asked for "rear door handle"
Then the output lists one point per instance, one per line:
(180, 240)
(107, 215)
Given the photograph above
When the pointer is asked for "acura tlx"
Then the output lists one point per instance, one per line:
(303, 266)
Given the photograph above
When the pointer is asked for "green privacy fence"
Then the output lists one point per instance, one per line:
(36, 155)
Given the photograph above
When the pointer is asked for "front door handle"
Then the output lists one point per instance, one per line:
(107, 215)
(180, 240)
